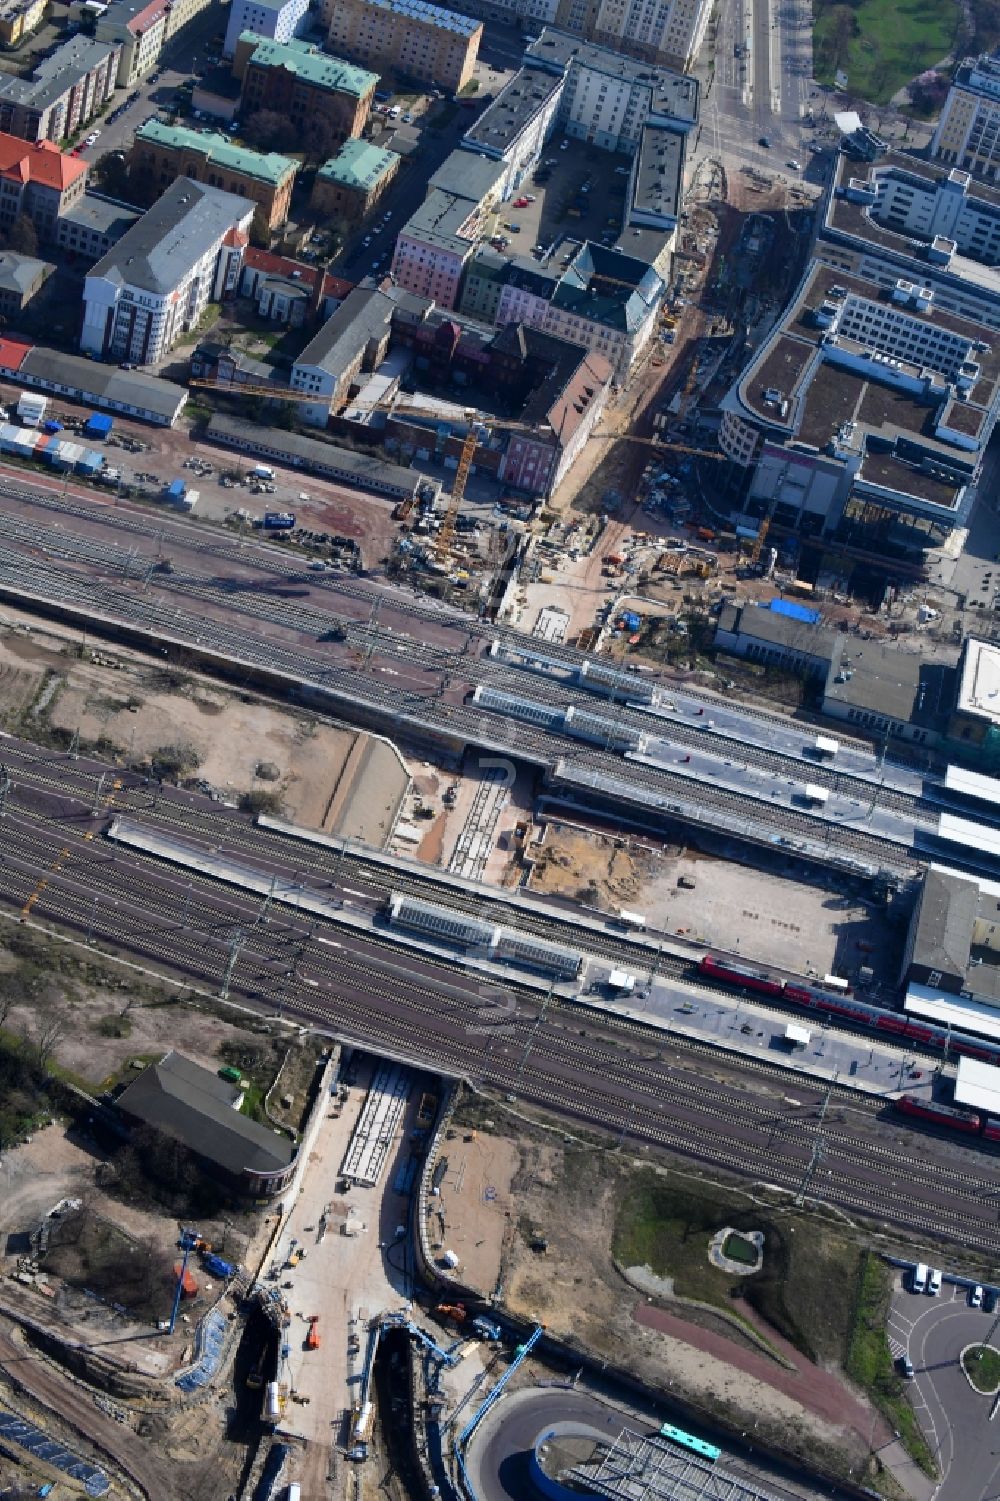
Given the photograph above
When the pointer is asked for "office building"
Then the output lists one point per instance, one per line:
(968, 131)
(154, 285)
(866, 411)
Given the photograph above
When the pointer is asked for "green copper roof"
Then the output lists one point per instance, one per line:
(358, 164)
(314, 67)
(264, 166)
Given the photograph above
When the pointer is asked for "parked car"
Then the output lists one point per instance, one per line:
(904, 1365)
(975, 1296)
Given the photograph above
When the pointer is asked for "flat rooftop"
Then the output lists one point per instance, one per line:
(439, 222)
(516, 105)
(978, 1085)
(659, 177)
(854, 219)
(822, 390)
(979, 681)
(672, 95)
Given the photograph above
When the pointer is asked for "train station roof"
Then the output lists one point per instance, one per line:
(953, 1011)
(978, 1085)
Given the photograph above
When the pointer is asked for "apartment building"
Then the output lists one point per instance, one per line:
(410, 37)
(968, 132)
(277, 20)
(866, 413)
(139, 29)
(64, 93)
(39, 181)
(18, 19)
(665, 31)
(658, 31)
(93, 224)
(563, 407)
(351, 183)
(154, 285)
(298, 81)
(435, 245)
(166, 152)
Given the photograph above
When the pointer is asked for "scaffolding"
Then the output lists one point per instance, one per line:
(645, 1467)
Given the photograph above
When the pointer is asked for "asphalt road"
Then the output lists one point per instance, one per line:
(499, 1452)
(684, 1097)
(181, 59)
(955, 1419)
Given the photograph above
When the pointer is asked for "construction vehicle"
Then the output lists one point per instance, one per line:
(455, 1311)
(487, 1329)
(445, 537)
(312, 1338)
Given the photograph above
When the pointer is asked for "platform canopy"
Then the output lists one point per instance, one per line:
(978, 1085)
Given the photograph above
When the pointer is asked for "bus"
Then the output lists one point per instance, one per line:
(688, 1441)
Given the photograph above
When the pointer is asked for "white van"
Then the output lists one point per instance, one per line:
(934, 1282)
(918, 1282)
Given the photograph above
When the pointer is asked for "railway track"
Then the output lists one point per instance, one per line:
(307, 619)
(601, 1070)
(541, 748)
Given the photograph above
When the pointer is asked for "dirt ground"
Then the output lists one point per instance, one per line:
(569, 1195)
(473, 1213)
(327, 507)
(129, 707)
(804, 926)
(595, 869)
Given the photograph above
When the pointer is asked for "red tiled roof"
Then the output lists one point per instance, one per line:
(14, 352)
(235, 237)
(284, 265)
(145, 18)
(40, 161)
(280, 265)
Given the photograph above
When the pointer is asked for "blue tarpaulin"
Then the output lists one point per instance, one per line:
(793, 611)
(98, 425)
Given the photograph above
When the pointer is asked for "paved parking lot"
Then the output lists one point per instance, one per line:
(568, 167)
(955, 1419)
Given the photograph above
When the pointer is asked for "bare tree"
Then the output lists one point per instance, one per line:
(50, 1028)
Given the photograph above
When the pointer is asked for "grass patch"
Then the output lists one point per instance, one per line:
(882, 44)
(982, 1366)
(804, 1289)
(870, 1363)
(114, 1025)
(738, 1248)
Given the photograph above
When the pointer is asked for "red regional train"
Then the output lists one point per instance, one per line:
(952, 1117)
(856, 1013)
